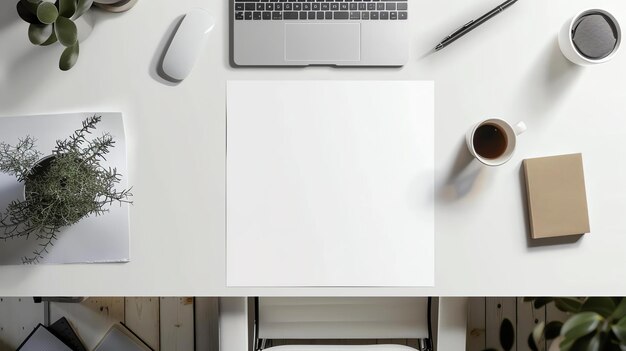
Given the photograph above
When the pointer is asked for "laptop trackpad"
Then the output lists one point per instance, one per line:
(323, 42)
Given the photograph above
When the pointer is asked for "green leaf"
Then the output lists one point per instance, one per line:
(566, 344)
(613, 346)
(40, 33)
(568, 304)
(553, 330)
(27, 12)
(507, 335)
(66, 31)
(620, 310)
(591, 342)
(47, 13)
(542, 301)
(51, 40)
(31, 5)
(82, 7)
(69, 57)
(604, 306)
(580, 325)
(619, 329)
(67, 8)
(597, 342)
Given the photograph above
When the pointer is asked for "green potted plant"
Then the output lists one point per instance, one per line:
(52, 21)
(593, 324)
(60, 189)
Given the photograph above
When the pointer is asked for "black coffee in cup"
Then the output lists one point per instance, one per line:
(595, 35)
(490, 141)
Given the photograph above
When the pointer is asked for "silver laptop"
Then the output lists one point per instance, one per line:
(320, 32)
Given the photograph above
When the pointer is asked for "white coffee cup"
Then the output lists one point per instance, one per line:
(510, 134)
(566, 39)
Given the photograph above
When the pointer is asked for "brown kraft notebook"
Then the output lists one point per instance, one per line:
(557, 200)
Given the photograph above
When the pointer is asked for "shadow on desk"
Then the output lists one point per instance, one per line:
(463, 177)
(19, 76)
(545, 242)
(550, 79)
(8, 13)
(26, 74)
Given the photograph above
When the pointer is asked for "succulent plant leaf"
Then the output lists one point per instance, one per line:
(81, 7)
(51, 40)
(69, 57)
(25, 11)
(47, 13)
(67, 8)
(66, 31)
(39, 33)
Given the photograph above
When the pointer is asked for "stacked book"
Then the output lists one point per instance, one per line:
(60, 336)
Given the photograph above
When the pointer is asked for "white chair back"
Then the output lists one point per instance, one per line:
(342, 318)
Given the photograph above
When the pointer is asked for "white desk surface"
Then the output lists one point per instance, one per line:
(510, 67)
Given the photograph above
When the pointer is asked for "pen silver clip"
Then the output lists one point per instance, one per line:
(458, 30)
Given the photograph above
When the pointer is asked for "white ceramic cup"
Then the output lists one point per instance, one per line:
(566, 41)
(511, 132)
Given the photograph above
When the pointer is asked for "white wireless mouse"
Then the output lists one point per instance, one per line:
(188, 43)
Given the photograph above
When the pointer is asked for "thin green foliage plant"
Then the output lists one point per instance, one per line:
(61, 189)
(592, 324)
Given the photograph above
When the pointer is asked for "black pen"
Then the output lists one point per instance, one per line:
(469, 26)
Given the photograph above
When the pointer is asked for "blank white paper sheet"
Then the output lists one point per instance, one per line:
(330, 184)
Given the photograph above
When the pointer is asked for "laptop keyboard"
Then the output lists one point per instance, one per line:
(279, 10)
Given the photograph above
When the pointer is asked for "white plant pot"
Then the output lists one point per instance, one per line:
(84, 25)
(115, 5)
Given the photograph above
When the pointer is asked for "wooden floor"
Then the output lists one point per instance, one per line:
(486, 315)
(166, 323)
